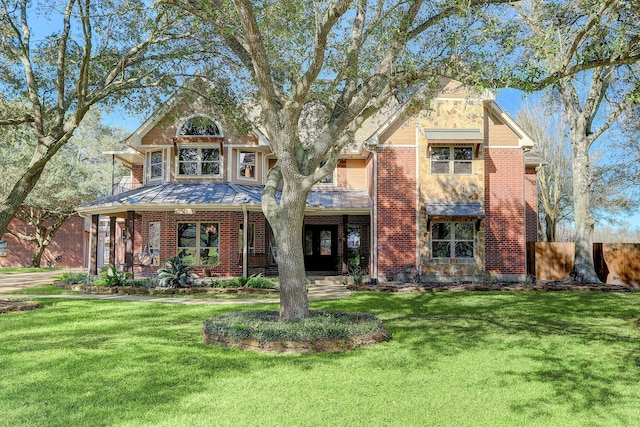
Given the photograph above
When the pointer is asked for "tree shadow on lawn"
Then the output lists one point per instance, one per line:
(130, 355)
(584, 345)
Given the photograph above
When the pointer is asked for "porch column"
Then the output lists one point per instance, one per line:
(245, 243)
(112, 240)
(128, 242)
(93, 245)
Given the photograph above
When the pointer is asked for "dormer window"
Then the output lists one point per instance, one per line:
(199, 126)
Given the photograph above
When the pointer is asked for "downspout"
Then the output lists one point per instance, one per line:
(371, 145)
(245, 242)
(417, 175)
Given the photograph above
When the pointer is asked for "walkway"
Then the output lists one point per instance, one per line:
(10, 282)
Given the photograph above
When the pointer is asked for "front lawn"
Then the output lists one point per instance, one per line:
(463, 359)
(21, 270)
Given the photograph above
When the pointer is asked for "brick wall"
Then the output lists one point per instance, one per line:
(396, 211)
(66, 249)
(505, 212)
(137, 176)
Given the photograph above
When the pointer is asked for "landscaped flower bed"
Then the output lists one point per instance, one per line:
(322, 331)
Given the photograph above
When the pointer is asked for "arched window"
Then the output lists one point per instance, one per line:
(199, 126)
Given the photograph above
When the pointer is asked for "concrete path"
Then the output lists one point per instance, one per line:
(12, 282)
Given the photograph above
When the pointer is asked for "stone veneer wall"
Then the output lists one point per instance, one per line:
(451, 114)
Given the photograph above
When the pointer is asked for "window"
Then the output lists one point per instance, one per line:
(452, 239)
(198, 243)
(247, 165)
(251, 237)
(199, 126)
(199, 161)
(354, 233)
(155, 165)
(154, 243)
(456, 160)
(327, 179)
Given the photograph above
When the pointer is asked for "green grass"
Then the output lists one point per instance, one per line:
(456, 359)
(43, 290)
(20, 270)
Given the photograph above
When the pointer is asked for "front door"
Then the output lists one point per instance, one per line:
(321, 247)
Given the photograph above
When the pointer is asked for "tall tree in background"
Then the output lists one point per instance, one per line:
(77, 174)
(606, 35)
(58, 58)
(335, 63)
(545, 125)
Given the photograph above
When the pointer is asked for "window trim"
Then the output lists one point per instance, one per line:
(199, 147)
(197, 248)
(452, 240)
(150, 164)
(239, 165)
(451, 161)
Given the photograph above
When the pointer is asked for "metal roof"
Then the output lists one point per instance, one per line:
(455, 209)
(173, 195)
(453, 134)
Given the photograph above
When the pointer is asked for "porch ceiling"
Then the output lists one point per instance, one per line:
(217, 196)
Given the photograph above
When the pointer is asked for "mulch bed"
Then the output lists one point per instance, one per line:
(9, 305)
(137, 290)
(546, 286)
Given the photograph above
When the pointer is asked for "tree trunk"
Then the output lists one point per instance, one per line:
(550, 228)
(583, 266)
(23, 187)
(37, 257)
(286, 221)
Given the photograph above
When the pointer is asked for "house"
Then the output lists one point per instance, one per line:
(445, 190)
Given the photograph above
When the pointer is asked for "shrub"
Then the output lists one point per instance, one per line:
(70, 278)
(147, 282)
(110, 276)
(174, 274)
(264, 326)
(357, 274)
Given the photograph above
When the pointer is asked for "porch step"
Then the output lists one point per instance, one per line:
(328, 280)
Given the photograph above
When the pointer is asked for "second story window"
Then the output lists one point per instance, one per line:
(247, 165)
(452, 160)
(327, 179)
(199, 161)
(155, 165)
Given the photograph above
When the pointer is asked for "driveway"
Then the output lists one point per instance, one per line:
(14, 282)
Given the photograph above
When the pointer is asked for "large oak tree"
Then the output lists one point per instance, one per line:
(329, 65)
(58, 58)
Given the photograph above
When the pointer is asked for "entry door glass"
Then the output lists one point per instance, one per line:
(320, 247)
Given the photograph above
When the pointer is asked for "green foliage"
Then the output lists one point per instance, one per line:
(81, 278)
(256, 281)
(174, 274)
(110, 276)
(357, 274)
(265, 326)
(147, 282)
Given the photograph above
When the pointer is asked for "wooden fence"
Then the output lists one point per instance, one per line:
(615, 263)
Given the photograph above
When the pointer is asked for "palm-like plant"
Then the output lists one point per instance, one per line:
(174, 274)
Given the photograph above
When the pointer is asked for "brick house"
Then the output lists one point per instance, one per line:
(445, 191)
